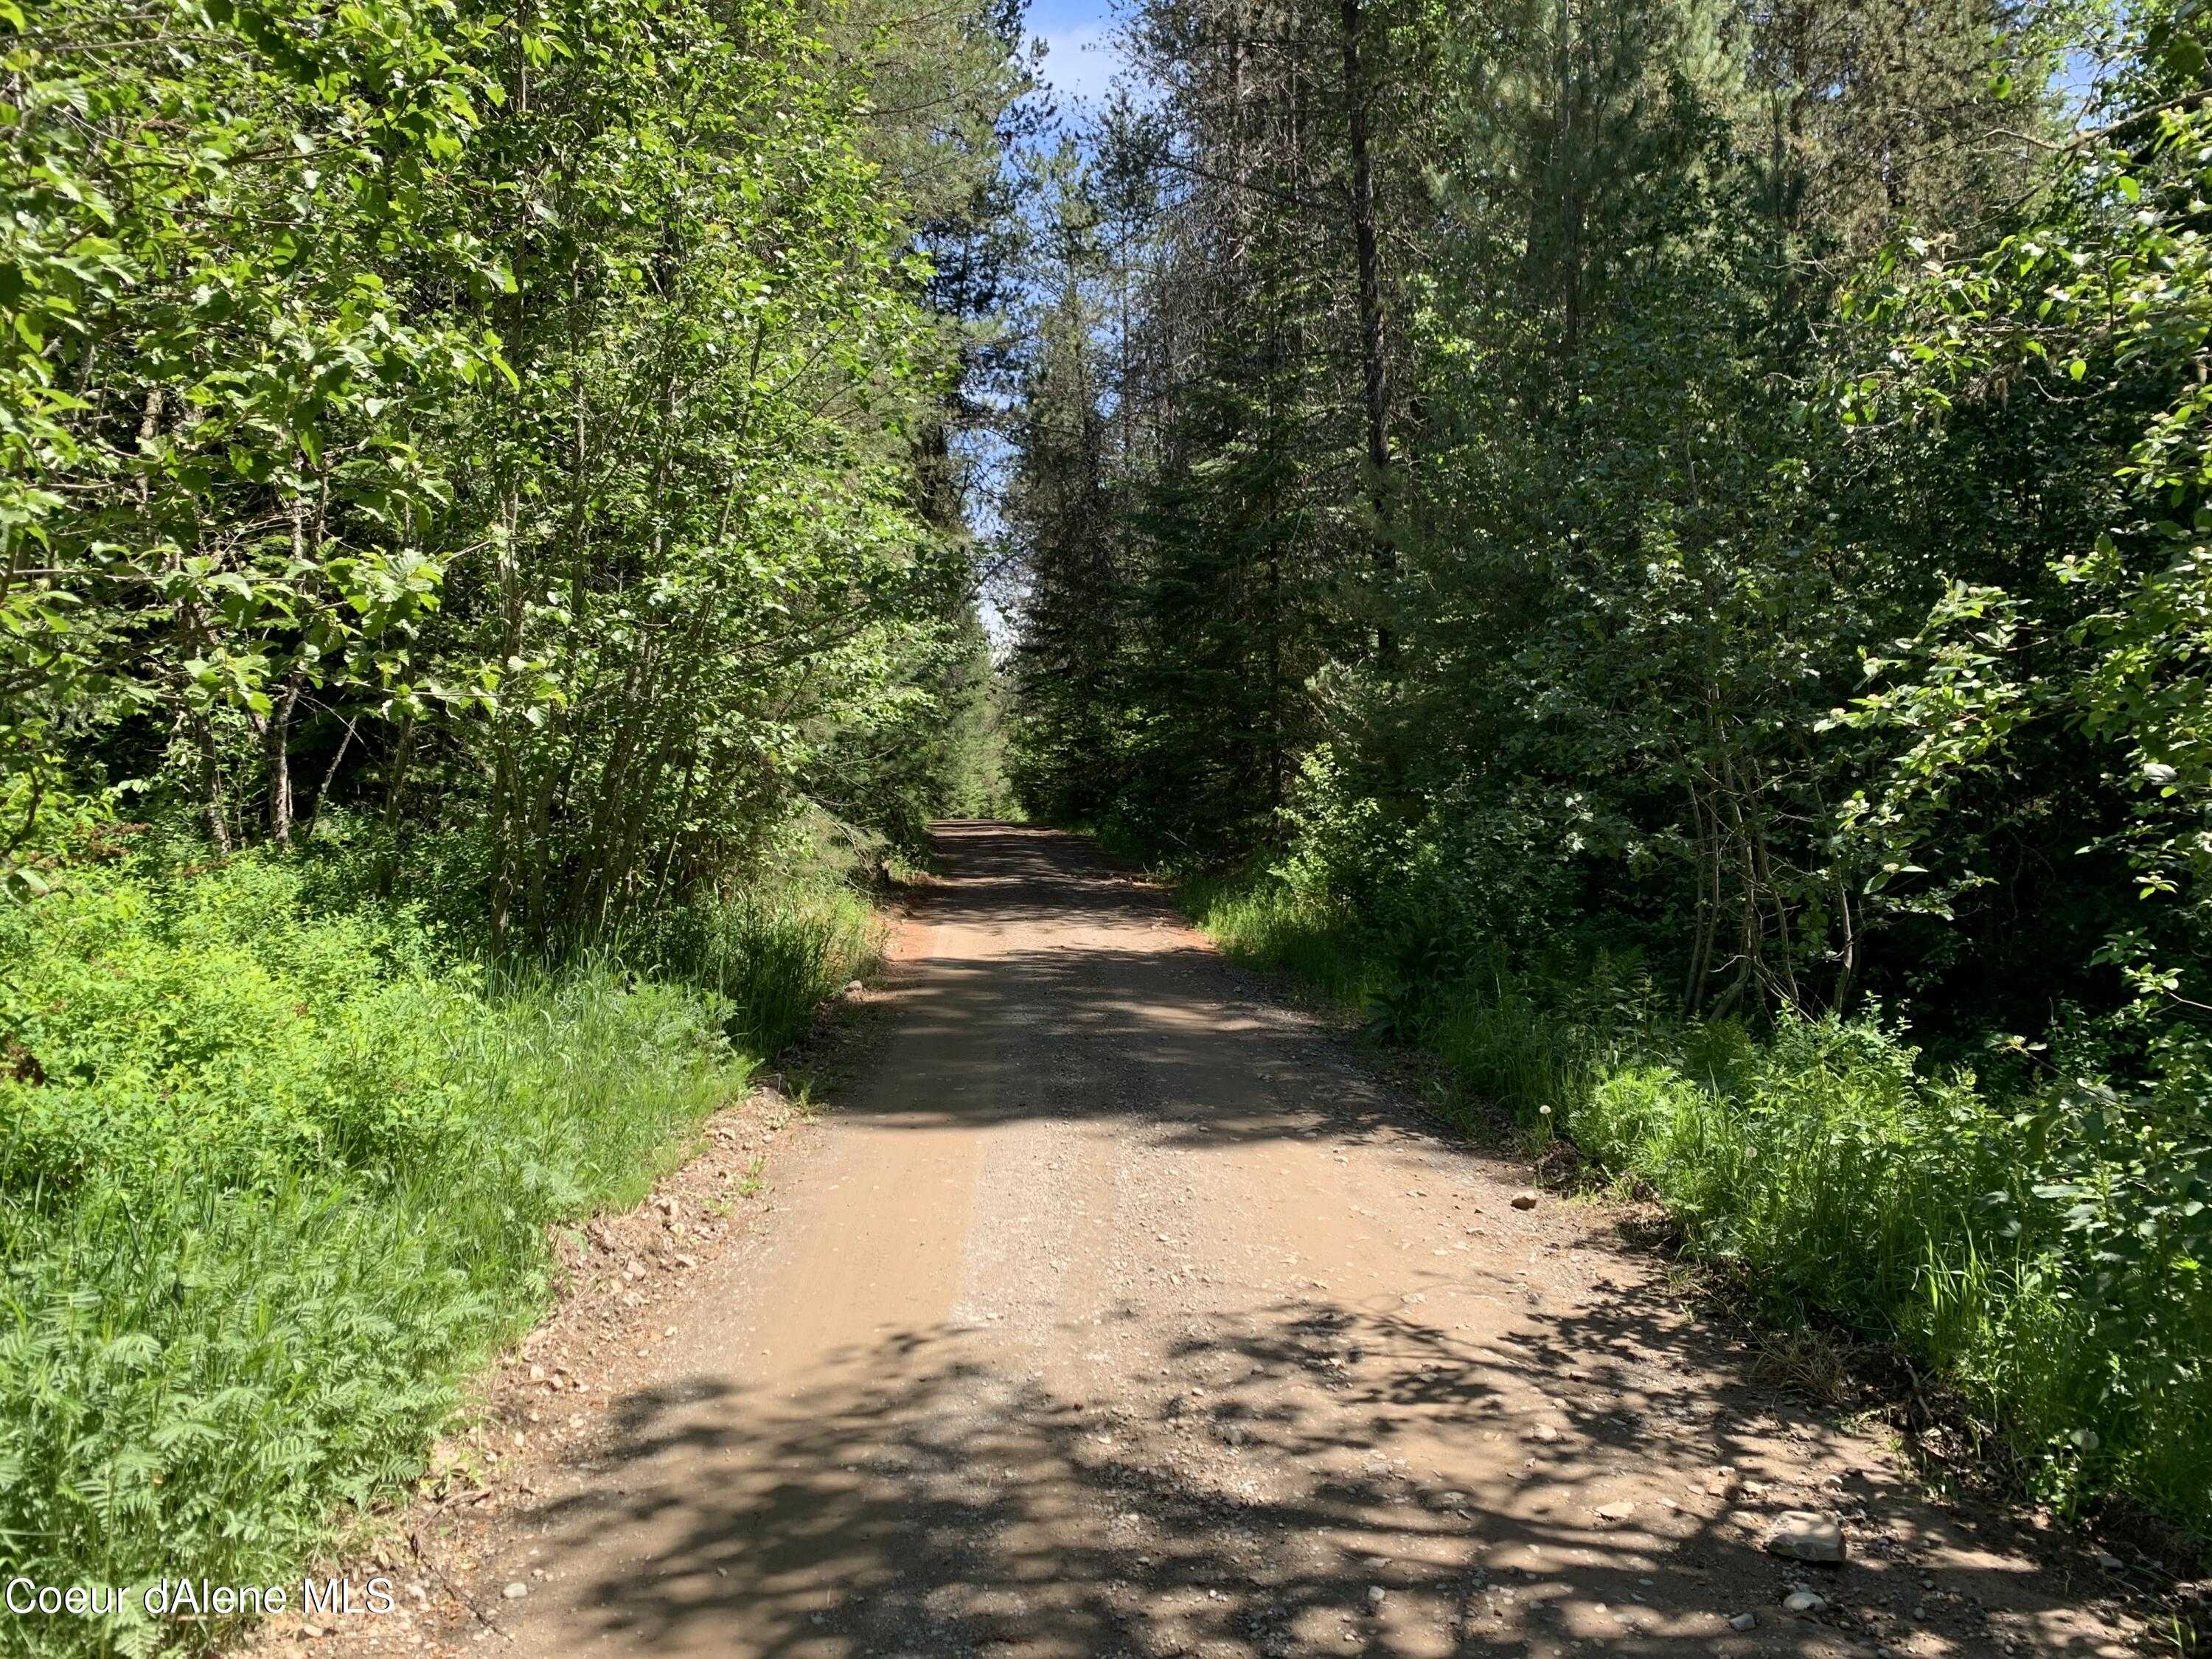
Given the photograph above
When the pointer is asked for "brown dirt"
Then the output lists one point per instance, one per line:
(1117, 1309)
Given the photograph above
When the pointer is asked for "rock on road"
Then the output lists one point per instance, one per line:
(1115, 1309)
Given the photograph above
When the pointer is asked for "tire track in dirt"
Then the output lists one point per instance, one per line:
(1115, 1310)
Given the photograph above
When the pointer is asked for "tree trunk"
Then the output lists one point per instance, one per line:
(218, 816)
(278, 739)
(1374, 370)
(330, 772)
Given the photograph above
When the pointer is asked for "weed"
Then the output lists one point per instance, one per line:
(283, 1179)
(2030, 1251)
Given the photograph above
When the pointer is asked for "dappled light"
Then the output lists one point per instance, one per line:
(1234, 1352)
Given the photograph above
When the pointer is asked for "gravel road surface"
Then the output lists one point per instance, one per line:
(1115, 1308)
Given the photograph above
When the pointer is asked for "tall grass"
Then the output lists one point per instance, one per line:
(771, 954)
(1915, 1203)
(1318, 943)
(273, 1183)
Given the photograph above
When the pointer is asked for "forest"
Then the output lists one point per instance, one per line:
(483, 595)
(1654, 551)
(1657, 550)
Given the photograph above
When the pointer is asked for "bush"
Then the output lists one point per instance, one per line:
(771, 954)
(2038, 1243)
(1261, 921)
(1929, 1215)
(273, 1183)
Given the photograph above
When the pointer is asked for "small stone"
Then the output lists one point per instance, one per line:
(1374, 1595)
(1744, 1621)
(1722, 1480)
(1525, 1199)
(516, 1591)
(1545, 1432)
(1615, 1511)
(1803, 1535)
(1804, 1601)
(2109, 1562)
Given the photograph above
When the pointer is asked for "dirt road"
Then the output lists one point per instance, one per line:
(1114, 1310)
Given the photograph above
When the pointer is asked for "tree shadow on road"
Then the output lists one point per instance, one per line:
(1278, 1488)
(1311, 1475)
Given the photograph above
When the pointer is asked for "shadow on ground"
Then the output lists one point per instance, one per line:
(1254, 1500)
(1297, 1474)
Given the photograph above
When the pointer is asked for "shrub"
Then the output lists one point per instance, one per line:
(771, 954)
(2039, 1243)
(272, 1183)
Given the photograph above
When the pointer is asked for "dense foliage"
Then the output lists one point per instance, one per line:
(483, 589)
(1697, 512)
(282, 1175)
(521, 428)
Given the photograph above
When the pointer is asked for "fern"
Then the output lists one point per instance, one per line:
(208, 1348)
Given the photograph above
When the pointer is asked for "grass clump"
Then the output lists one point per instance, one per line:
(770, 955)
(1318, 942)
(274, 1179)
(2037, 1240)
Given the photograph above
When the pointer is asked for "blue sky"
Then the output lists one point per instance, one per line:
(1081, 61)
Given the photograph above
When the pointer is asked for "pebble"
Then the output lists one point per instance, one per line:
(1804, 1601)
(1744, 1621)
(2109, 1562)
(1374, 1595)
(1524, 1199)
(1803, 1535)
(516, 1591)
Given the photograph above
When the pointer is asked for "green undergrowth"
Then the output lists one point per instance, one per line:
(2037, 1245)
(276, 1178)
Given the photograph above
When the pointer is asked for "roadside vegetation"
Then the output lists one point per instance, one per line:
(484, 598)
(1662, 546)
(1934, 1206)
(283, 1176)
